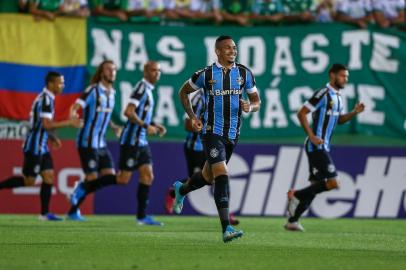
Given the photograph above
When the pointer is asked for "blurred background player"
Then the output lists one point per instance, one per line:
(97, 103)
(37, 158)
(224, 84)
(326, 106)
(135, 153)
(193, 150)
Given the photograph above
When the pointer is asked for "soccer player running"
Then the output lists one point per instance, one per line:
(326, 107)
(224, 84)
(37, 158)
(97, 103)
(135, 153)
(193, 150)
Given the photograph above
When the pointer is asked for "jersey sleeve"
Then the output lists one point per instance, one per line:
(46, 108)
(137, 94)
(87, 97)
(250, 84)
(316, 100)
(197, 80)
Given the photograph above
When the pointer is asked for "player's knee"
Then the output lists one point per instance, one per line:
(29, 181)
(122, 179)
(332, 184)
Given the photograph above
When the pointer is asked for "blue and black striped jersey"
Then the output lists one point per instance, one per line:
(142, 98)
(97, 103)
(223, 89)
(193, 139)
(42, 107)
(326, 106)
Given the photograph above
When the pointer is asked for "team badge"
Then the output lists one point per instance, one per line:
(240, 80)
(331, 168)
(37, 168)
(214, 153)
(208, 128)
(130, 162)
(92, 163)
(211, 82)
(315, 171)
(331, 104)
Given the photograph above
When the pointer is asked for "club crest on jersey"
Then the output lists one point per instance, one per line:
(130, 162)
(214, 152)
(208, 128)
(331, 168)
(240, 80)
(92, 163)
(37, 168)
(331, 104)
(211, 82)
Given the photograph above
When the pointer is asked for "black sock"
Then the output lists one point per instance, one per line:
(75, 208)
(311, 191)
(101, 182)
(301, 208)
(221, 197)
(142, 196)
(45, 195)
(92, 186)
(12, 182)
(196, 181)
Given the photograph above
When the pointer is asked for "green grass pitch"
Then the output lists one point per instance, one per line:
(116, 242)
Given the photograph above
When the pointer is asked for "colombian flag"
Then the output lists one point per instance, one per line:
(28, 50)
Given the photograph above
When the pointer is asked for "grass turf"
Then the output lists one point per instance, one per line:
(116, 242)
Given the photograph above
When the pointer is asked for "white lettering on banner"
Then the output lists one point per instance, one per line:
(261, 189)
(104, 48)
(282, 179)
(321, 59)
(274, 110)
(17, 130)
(172, 47)
(165, 109)
(256, 45)
(336, 203)
(355, 39)
(62, 183)
(381, 53)
(137, 52)
(252, 51)
(347, 93)
(376, 181)
(210, 42)
(63, 179)
(296, 98)
(283, 57)
(126, 90)
(258, 185)
(368, 94)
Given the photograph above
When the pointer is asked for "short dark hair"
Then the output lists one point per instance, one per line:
(336, 67)
(220, 39)
(52, 75)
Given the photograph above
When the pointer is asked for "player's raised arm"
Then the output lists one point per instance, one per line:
(359, 108)
(254, 103)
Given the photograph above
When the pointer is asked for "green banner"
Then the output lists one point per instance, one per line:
(289, 63)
